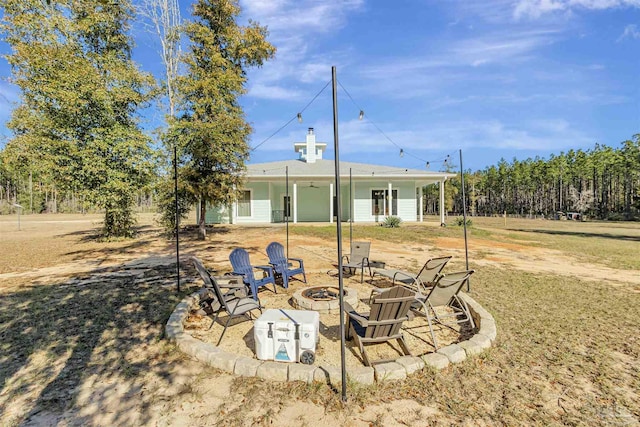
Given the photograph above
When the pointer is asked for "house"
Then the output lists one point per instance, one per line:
(375, 191)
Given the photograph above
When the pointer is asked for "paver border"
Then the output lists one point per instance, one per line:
(485, 335)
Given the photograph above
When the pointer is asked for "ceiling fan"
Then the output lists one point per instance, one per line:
(313, 186)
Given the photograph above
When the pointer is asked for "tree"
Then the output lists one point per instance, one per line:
(166, 23)
(210, 127)
(80, 92)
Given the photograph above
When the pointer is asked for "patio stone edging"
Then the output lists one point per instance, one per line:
(210, 354)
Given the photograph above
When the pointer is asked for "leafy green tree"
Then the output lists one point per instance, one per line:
(210, 128)
(80, 92)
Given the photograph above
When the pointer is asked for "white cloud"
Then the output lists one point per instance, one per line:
(630, 31)
(303, 16)
(265, 91)
(295, 28)
(537, 8)
(539, 134)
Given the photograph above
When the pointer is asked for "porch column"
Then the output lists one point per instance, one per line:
(442, 210)
(421, 204)
(352, 214)
(390, 200)
(295, 202)
(331, 202)
(234, 210)
(271, 205)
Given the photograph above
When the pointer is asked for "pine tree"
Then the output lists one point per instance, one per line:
(210, 127)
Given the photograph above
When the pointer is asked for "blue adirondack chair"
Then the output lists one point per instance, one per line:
(240, 263)
(284, 266)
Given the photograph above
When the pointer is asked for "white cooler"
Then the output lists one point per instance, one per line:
(287, 335)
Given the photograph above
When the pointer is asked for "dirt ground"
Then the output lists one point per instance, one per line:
(164, 395)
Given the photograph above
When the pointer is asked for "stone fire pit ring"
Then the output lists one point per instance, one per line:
(327, 301)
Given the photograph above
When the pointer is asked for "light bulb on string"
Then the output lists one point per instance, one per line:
(427, 165)
(299, 117)
(361, 115)
(401, 152)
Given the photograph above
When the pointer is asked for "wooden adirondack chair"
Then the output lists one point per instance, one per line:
(382, 323)
(241, 265)
(284, 266)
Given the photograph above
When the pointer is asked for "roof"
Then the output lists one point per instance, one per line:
(326, 169)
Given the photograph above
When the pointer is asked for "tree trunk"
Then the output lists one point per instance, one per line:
(202, 229)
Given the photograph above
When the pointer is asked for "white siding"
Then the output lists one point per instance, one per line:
(313, 203)
(260, 204)
(406, 203)
(406, 200)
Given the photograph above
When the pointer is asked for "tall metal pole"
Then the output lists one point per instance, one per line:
(339, 232)
(350, 210)
(175, 194)
(464, 219)
(287, 204)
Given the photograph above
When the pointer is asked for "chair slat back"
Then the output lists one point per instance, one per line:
(432, 268)
(239, 259)
(392, 304)
(209, 281)
(359, 251)
(275, 252)
(447, 286)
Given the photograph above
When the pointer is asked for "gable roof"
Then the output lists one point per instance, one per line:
(325, 169)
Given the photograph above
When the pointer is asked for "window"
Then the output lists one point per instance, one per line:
(286, 202)
(244, 203)
(377, 202)
(380, 202)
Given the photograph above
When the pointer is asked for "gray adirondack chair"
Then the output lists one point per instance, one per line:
(388, 311)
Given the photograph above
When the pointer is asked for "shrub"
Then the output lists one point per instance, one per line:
(391, 222)
(460, 222)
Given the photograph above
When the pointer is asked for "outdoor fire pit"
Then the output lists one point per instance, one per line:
(324, 299)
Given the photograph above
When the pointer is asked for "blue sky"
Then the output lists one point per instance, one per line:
(495, 78)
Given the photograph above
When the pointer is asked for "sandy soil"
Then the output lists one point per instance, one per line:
(104, 399)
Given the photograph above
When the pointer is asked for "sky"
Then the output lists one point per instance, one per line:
(494, 78)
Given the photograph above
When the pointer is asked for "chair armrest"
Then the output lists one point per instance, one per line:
(345, 257)
(267, 269)
(358, 318)
(298, 260)
(230, 281)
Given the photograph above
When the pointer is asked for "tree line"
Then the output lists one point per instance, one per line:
(77, 142)
(600, 183)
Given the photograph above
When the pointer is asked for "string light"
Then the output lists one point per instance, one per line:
(298, 116)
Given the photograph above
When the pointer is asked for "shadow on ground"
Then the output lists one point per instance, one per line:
(97, 337)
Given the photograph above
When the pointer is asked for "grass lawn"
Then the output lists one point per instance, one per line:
(81, 331)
